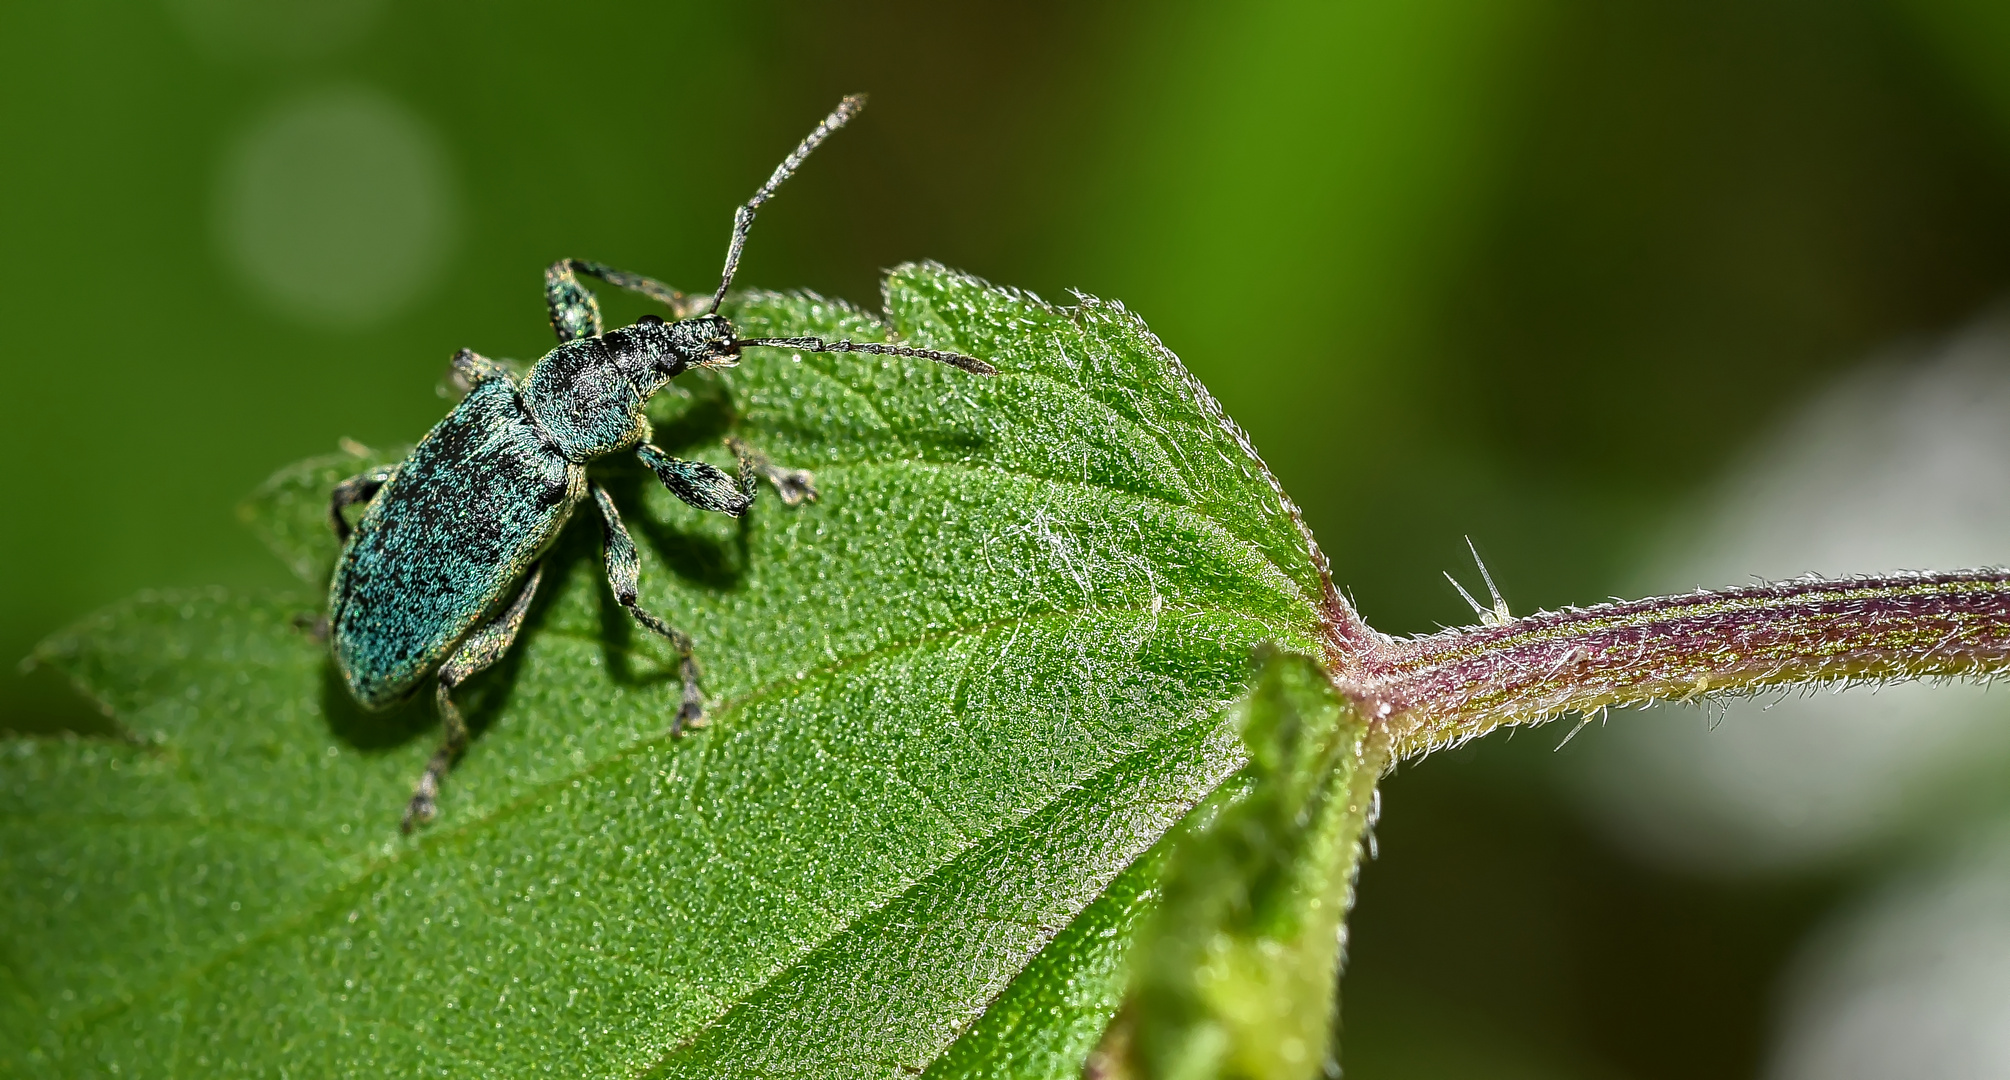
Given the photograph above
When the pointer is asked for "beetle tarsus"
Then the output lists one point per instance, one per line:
(624, 571)
(576, 314)
(704, 486)
(471, 508)
(312, 623)
(425, 796)
(794, 486)
(360, 488)
(691, 713)
(482, 648)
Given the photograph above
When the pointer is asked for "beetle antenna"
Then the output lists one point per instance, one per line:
(818, 345)
(743, 218)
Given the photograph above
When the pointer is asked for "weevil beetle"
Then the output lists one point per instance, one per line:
(436, 575)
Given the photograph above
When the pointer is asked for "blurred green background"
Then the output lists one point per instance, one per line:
(1528, 270)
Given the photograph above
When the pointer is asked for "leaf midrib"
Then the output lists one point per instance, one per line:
(774, 689)
(536, 795)
(779, 688)
(1184, 512)
(1171, 450)
(1132, 425)
(1045, 934)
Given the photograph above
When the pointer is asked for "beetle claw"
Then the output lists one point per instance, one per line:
(795, 486)
(424, 804)
(691, 712)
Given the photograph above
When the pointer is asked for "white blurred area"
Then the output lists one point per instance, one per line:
(1904, 464)
(338, 206)
(1914, 985)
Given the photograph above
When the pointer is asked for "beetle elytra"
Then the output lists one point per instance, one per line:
(436, 576)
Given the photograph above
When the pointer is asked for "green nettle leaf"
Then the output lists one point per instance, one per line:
(957, 708)
(290, 511)
(1234, 977)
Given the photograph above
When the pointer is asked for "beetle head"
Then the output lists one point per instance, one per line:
(712, 342)
(674, 347)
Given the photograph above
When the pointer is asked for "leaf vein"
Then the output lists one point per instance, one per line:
(371, 872)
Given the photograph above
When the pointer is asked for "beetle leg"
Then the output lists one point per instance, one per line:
(624, 571)
(576, 314)
(795, 486)
(360, 488)
(482, 648)
(706, 487)
(471, 369)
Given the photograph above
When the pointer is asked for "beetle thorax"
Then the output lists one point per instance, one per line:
(587, 395)
(583, 402)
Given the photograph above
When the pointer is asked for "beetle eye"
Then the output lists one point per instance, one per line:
(650, 320)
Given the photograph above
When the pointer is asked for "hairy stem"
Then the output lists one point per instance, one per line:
(1442, 689)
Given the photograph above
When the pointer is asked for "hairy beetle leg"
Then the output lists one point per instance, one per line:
(624, 572)
(691, 711)
(471, 369)
(360, 488)
(706, 487)
(576, 314)
(795, 486)
(482, 648)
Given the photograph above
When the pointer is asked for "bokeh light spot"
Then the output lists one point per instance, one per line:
(339, 207)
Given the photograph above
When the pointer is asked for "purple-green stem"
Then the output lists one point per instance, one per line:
(1436, 691)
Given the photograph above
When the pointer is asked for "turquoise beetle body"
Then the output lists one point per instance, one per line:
(437, 575)
(463, 519)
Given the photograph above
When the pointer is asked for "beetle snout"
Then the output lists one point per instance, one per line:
(720, 353)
